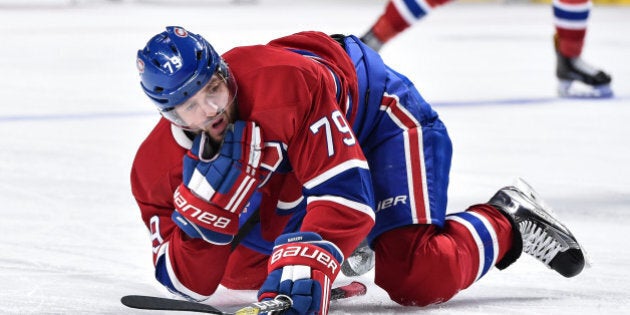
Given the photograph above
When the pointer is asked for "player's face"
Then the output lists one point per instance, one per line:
(211, 109)
(216, 127)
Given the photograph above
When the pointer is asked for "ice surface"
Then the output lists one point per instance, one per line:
(73, 115)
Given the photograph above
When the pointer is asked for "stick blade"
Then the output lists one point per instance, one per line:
(164, 304)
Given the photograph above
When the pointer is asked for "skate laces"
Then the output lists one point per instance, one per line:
(359, 262)
(584, 67)
(539, 243)
(361, 257)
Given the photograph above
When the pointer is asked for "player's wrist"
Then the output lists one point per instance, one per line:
(306, 249)
(193, 231)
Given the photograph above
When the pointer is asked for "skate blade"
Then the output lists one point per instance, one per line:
(577, 89)
(529, 191)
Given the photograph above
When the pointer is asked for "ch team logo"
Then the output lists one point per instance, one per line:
(180, 32)
(140, 65)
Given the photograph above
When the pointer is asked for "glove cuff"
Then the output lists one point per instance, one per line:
(204, 214)
(195, 231)
(304, 254)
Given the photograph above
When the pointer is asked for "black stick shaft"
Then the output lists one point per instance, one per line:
(165, 304)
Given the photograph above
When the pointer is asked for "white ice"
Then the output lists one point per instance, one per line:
(72, 116)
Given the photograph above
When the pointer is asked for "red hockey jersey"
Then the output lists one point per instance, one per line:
(297, 89)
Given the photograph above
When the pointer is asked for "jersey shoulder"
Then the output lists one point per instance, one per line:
(158, 163)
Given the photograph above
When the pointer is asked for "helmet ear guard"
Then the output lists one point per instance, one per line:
(174, 65)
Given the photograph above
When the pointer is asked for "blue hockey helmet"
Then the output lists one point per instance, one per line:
(176, 64)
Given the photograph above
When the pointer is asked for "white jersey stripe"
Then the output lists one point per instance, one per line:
(478, 241)
(176, 283)
(484, 264)
(493, 235)
(344, 202)
(286, 205)
(569, 24)
(335, 171)
(412, 173)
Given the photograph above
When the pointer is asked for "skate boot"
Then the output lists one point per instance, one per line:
(360, 261)
(371, 40)
(543, 235)
(581, 80)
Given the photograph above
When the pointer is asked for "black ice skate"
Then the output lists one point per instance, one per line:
(543, 235)
(581, 80)
(360, 261)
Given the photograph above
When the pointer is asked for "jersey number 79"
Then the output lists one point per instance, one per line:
(341, 125)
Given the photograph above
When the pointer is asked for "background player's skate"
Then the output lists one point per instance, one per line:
(579, 79)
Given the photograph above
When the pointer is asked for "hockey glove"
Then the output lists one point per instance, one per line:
(302, 267)
(215, 189)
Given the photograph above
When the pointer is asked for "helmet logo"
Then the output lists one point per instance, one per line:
(180, 32)
(140, 65)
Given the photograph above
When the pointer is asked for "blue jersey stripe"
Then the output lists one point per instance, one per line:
(415, 8)
(161, 274)
(569, 15)
(486, 238)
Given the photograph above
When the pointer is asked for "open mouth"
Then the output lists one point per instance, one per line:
(218, 122)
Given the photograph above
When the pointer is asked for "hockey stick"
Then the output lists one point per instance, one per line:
(156, 303)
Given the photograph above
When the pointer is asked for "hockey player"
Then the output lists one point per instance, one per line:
(570, 20)
(273, 162)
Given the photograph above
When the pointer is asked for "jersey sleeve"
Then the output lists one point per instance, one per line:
(294, 100)
(191, 268)
(334, 173)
